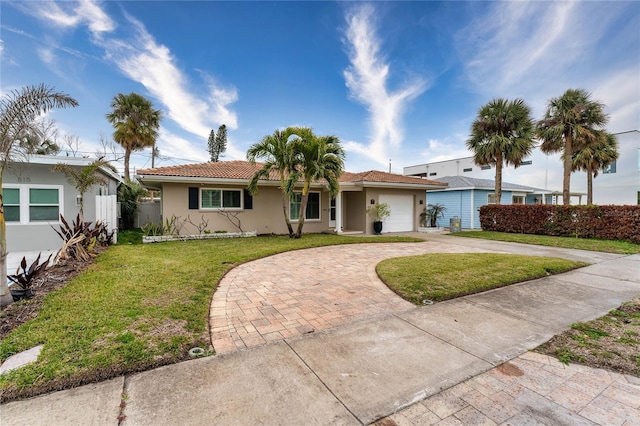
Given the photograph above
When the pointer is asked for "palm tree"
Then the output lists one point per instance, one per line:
(320, 158)
(573, 117)
(502, 133)
(277, 151)
(19, 111)
(591, 157)
(136, 124)
(85, 178)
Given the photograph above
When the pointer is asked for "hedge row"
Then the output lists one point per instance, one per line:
(604, 222)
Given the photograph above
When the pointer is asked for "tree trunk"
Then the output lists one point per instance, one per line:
(566, 181)
(589, 185)
(5, 294)
(127, 157)
(303, 209)
(284, 211)
(498, 188)
(153, 155)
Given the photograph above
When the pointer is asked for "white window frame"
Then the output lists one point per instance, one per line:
(523, 196)
(319, 219)
(222, 207)
(489, 195)
(25, 217)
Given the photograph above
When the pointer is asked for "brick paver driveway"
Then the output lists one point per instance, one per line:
(302, 291)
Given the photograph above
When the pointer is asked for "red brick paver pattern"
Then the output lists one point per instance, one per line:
(302, 291)
(532, 389)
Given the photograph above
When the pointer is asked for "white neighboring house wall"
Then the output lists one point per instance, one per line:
(619, 185)
(40, 196)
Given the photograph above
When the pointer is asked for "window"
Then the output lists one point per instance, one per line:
(611, 168)
(517, 199)
(491, 198)
(11, 199)
(43, 204)
(485, 167)
(221, 199)
(526, 163)
(433, 173)
(467, 170)
(313, 206)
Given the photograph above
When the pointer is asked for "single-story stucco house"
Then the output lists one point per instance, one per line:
(211, 191)
(34, 198)
(464, 196)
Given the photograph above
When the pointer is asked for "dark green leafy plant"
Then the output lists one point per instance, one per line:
(80, 238)
(25, 279)
(128, 194)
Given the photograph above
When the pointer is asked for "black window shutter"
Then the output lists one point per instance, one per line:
(248, 200)
(194, 193)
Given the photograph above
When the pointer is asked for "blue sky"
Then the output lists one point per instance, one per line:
(399, 81)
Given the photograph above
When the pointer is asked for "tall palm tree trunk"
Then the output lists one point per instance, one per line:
(303, 210)
(285, 200)
(589, 185)
(498, 188)
(127, 157)
(566, 180)
(5, 294)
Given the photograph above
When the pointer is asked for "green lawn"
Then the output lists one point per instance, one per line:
(441, 276)
(137, 307)
(608, 246)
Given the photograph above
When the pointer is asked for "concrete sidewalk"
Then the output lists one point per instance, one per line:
(445, 362)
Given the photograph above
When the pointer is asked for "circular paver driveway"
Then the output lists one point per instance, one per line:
(302, 291)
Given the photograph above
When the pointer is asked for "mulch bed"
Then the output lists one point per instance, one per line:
(54, 278)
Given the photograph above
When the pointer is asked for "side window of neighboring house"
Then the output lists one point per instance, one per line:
(517, 199)
(313, 206)
(44, 204)
(28, 203)
(221, 199)
(11, 199)
(491, 198)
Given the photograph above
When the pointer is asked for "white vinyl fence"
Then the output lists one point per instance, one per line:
(107, 212)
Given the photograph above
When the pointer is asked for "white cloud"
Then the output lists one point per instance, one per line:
(535, 50)
(143, 60)
(367, 80)
(620, 92)
(73, 14)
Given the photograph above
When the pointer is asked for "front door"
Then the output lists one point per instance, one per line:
(332, 213)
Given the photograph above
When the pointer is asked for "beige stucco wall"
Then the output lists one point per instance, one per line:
(266, 217)
(354, 211)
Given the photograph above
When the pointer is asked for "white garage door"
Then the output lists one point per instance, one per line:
(401, 219)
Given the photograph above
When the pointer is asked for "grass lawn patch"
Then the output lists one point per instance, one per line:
(137, 307)
(611, 341)
(443, 276)
(607, 246)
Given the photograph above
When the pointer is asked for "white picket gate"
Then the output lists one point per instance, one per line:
(107, 212)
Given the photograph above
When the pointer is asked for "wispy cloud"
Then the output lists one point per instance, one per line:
(142, 59)
(367, 78)
(533, 49)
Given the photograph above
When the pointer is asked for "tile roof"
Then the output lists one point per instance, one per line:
(244, 170)
(221, 169)
(384, 177)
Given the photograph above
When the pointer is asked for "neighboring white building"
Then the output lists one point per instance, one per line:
(619, 184)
